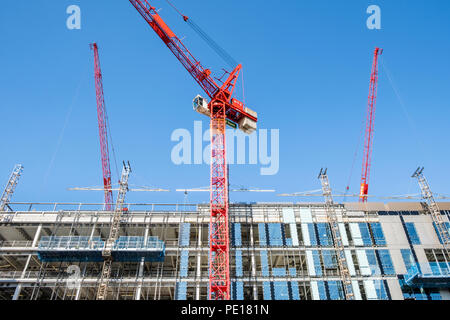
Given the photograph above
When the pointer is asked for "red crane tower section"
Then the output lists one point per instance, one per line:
(222, 109)
(370, 122)
(103, 129)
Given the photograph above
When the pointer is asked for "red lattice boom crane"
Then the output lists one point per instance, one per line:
(103, 129)
(222, 109)
(370, 122)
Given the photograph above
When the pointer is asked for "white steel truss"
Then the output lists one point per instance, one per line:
(337, 239)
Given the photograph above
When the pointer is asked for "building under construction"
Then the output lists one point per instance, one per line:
(220, 250)
(278, 252)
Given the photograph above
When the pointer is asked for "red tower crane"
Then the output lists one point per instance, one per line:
(222, 109)
(103, 129)
(370, 122)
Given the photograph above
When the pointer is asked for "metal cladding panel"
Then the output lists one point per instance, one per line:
(444, 205)
(310, 263)
(393, 232)
(356, 234)
(356, 290)
(363, 262)
(404, 206)
(288, 215)
(368, 206)
(305, 215)
(395, 289)
(343, 233)
(371, 293)
(425, 229)
(305, 233)
(294, 234)
(351, 266)
(315, 290)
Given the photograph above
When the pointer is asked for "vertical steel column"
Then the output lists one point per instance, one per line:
(141, 266)
(199, 262)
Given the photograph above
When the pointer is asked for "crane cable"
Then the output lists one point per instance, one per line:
(209, 41)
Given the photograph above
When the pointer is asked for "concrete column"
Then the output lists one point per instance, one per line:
(141, 266)
(199, 262)
(35, 240)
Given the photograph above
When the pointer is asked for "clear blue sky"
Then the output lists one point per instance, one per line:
(306, 64)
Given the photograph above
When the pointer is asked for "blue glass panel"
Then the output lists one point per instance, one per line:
(312, 234)
(267, 290)
(264, 264)
(181, 288)
(335, 290)
(372, 259)
(378, 234)
(275, 234)
(324, 234)
(317, 265)
(329, 259)
(380, 289)
(236, 235)
(435, 295)
(365, 234)
(412, 233)
(184, 260)
(408, 259)
(279, 272)
(239, 272)
(386, 262)
(295, 291)
(238, 292)
(322, 291)
(262, 234)
(185, 234)
(281, 290)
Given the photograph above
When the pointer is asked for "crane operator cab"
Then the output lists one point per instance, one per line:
(246, 124)
(201, 106)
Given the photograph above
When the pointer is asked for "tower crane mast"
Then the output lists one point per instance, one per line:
(222, 109)
(370, 122)
(336, 235)
(103, 129)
